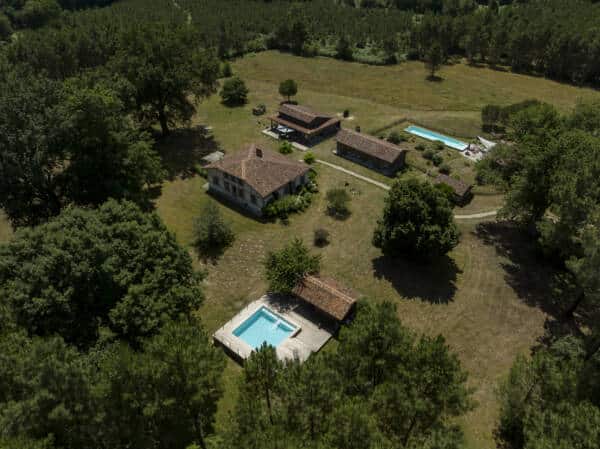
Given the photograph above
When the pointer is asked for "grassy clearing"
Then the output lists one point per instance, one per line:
(454, 104)
(468, 297)
(484, 298)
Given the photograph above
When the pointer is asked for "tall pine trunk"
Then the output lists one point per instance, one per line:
(164, 124)
(571, 310)
(268, 397)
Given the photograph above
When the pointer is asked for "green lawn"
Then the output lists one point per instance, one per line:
(476, 298)
(452, 105)
(468, 297)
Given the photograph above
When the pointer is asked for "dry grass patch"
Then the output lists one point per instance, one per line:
(468, 297)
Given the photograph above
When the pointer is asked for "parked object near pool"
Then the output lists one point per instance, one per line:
(308, 126)
(487, 144)
(433, 136)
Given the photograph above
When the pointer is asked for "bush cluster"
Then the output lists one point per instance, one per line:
(287, 205)
(285, 147)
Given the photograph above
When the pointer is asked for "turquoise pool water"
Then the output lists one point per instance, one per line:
(432, 135)
(264, 326)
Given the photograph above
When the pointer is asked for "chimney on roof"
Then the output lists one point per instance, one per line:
(258, 152)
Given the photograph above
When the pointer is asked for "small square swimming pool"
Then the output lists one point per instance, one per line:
(264, 326)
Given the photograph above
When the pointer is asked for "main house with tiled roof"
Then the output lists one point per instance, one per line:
(308, 125)
(254, 176)
(374, 153)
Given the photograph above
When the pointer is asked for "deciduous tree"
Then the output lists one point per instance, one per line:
(234, 92)
(288, 88)
(284, 268)
(115, 267)
(168, 69)
(212, 235)
(417, 221)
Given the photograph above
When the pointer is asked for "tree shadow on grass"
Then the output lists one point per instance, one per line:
(534, 279)
(433, 281)
(434, 78)
(526, 271)
(340, 215)
(222, 199)
(182, 150)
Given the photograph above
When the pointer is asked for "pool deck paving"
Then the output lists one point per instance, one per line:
(314, 330)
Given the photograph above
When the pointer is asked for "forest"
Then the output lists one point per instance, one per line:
(553, 38)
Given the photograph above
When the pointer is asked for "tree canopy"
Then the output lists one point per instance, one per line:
(284, 268)
(115, 268)
(417, 221)
(381, 388)
(288, 88)
(167, 69)
(68, 143)
(552, 400)
(212, 235)
(163, 396)
(234, 92)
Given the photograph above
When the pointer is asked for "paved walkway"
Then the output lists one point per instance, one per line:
(479, 215)
(298, 146)
(387, 187)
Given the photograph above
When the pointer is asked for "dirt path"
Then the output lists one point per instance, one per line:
(383, 186)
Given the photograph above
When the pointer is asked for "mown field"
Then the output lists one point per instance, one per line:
(486, 298)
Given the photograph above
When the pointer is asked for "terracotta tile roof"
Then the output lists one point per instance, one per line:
(263, 170)
(304, 130)
(326, 295)
(301, 113)
(372, 146)
(460, 188)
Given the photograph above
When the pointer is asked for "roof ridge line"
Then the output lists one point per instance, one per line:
(370, 137)
(329, 288)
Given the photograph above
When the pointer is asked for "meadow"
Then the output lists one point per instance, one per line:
(487, 297)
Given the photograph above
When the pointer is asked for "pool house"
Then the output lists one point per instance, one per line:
(295, 325)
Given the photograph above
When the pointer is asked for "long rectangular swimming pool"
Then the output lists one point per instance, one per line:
(432, 135)
(264, 326)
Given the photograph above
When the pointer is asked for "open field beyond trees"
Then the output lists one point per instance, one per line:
(487, 298)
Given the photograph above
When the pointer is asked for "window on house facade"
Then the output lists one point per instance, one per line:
(253, 199)
(216, 181)
(227, 186)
